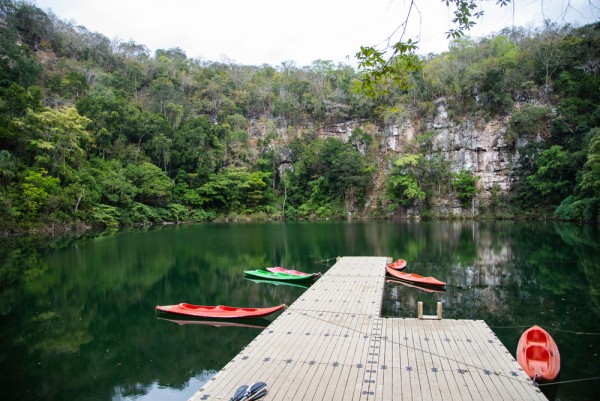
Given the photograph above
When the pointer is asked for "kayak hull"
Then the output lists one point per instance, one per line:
(217, 312)
(414, 278)
(278, 269)
(538, 355)
(264, 274)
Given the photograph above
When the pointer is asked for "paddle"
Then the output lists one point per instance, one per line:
(255, 391)
(239, 393)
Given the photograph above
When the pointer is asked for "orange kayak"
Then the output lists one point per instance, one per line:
(217, 312)
(537, 353)
(414, 278)
(399, 264)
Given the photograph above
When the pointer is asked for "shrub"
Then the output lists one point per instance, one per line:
(178, 212)
(201, 215)
(464, 183)
(106, 215)
(581, 210)
(529, 121)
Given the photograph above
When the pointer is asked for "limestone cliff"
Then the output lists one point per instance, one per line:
(474, 144)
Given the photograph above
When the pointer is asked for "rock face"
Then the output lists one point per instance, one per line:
(473, 144)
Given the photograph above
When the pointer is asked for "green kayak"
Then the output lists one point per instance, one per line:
(264, 274)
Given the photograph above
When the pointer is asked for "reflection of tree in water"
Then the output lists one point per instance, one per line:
(85, 326)
(77, 316)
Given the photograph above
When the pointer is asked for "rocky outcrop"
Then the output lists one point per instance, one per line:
(472, 144)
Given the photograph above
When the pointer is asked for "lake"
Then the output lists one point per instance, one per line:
(77, 317)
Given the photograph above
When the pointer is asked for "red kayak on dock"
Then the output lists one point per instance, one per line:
(217, 312)
(537, 354)
(414, 278)
(399, 264)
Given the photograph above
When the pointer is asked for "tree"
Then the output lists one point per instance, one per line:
(8, 167)
(58, 138)
(465, 184)
(17, 64)
(114, 187)
(235, 189)
(396, 61)
(36, 189)
(552, 174)
(154, 187)
(403, 185)
(590, 178)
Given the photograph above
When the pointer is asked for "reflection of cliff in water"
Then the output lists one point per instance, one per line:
(505, 276)
(473, 292)
(476, 288)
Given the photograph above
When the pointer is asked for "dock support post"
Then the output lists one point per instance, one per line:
(429, 317)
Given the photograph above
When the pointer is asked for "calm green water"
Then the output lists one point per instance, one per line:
(77, 316)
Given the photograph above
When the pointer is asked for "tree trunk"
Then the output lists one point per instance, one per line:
(79, 199)
(283, 205)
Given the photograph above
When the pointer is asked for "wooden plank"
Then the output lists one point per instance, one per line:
(357, 374)
(505, 371)
(330, 362)
(347, 358)
(427, 369)
(384, 380)
(483, 361)
(473, 369)
(455, 358)
(440, 369)
(292, 359)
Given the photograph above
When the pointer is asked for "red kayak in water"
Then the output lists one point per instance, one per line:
(217, 312)
(399, 264)
(537, 353)
(414, 278)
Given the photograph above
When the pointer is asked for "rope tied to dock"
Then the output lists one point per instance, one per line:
(389, 341)
(325, 260)
(568, 381)
(580, 333)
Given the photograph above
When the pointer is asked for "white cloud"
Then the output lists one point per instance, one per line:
(273, 31)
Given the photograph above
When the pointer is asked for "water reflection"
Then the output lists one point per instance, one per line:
(77, 314)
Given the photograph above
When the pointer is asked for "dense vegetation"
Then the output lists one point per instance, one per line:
(99, 132)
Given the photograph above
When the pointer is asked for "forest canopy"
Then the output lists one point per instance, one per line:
(103, 133)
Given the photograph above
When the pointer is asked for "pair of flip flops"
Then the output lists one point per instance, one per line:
(254, 391)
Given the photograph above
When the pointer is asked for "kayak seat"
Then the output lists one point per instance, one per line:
(538, 358)
(229, 308)
(536, 336)
(188, 306)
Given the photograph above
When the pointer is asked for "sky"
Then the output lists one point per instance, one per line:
(256, 32)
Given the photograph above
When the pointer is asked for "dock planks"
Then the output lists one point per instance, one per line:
(332, 344)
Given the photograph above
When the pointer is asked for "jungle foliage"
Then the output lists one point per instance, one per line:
(104, 133)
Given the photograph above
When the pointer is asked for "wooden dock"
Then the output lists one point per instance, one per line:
(333, 344)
